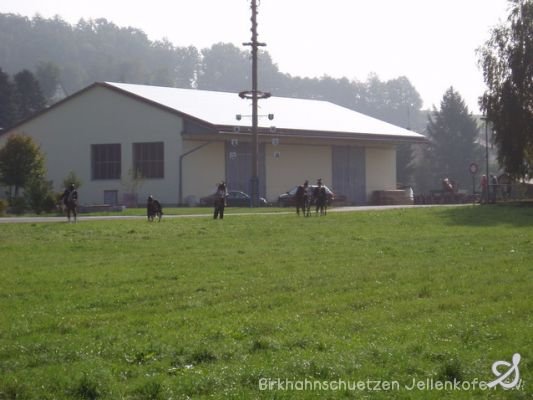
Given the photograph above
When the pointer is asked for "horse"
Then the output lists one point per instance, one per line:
(71, 206)
(70, 202)
(300, 199)
(154, 210)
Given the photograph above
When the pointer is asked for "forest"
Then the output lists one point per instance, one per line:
(64, 58)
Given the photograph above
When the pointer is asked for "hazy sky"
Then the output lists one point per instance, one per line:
(431, 42)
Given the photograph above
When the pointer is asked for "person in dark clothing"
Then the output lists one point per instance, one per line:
(301, 195)
(320, 197)
(220, 201)
(153, 209)
(70, 201)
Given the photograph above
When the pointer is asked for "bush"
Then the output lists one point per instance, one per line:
(72, 179)
(40, 196)
(17, 205)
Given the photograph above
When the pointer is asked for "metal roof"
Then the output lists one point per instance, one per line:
(220, 109)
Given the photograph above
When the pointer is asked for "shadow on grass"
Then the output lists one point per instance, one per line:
(518, 214)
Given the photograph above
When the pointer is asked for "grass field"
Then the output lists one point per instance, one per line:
(197, 308)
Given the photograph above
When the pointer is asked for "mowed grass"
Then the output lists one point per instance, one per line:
(198, 308)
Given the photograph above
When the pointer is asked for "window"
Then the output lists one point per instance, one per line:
(106, 161)
(111, 197)
(149, 160)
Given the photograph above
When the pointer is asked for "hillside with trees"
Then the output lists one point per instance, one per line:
(70, 57)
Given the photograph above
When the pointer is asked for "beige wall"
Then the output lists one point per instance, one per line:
(380, 169)
(100, 116)
(202, 169)
(295, 164)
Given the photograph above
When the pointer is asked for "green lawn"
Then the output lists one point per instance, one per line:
(198, 308)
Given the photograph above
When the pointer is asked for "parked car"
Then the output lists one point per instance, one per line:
(288, 199)
(235, 198)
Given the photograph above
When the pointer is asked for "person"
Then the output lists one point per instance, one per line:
(308, 197)
(153, 209)
(448, 189)
(220, 201)
(447, 185)
(484, 189)
(300, 198)
(320, 196)
(70, 201)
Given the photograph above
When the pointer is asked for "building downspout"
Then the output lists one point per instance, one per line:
(182, 156)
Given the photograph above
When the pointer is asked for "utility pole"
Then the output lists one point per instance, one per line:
(254, 95)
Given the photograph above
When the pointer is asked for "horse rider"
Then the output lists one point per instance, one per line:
(70, 201)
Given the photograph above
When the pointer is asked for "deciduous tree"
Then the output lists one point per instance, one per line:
(507, 62)
(21, 161)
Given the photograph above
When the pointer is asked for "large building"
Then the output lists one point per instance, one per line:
(184, 141)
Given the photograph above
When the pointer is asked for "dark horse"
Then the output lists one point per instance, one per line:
(153, 209)
(70, 201)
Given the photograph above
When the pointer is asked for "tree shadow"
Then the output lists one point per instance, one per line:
(519, 214)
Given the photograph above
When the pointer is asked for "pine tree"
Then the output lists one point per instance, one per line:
(453, 134)
(8, 109)
(30, 97)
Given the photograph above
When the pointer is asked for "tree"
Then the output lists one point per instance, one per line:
(47, 74)
(72, 179)
(132, 182)
(21, 161)
(30, 97)
(226, 68)
(39, 195)
(453, 133)
(507, 63)
(8, 108)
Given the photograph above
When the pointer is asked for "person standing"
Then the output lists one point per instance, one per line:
(308, 197)
(320, 196)
(220, 201)
(300, 197)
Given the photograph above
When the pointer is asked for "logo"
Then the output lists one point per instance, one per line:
(502, 377)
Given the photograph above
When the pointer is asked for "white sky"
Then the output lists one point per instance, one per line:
(432, 42)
